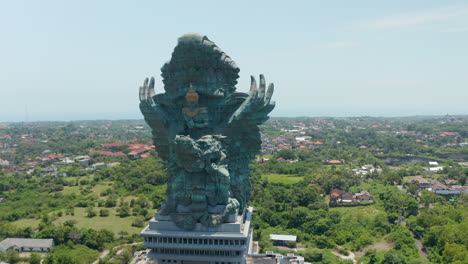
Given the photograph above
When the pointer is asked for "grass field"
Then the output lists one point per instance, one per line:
(80, 253)
(71, 189)
(283, 178)
(112, 222)
(101, 187)
(358, 211)
(33, 222)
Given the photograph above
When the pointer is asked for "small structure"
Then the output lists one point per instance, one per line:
(26, 244)
(50, 171)
(347, 197)
(83, 160)
(274, 258)
(342, 198)
(363, 196)
(282, 240)
(434, 169)
(4, 162)
(333, 162)
(96, 166)
(112, 164)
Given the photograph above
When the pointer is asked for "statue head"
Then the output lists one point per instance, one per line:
(198, 61)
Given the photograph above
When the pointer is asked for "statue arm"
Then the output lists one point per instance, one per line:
(255, 108)
(155, 117)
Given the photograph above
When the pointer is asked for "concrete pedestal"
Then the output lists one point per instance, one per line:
(228, 243)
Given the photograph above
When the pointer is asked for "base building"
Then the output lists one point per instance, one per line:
(228, 243)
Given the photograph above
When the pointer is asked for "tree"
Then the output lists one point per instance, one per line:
(393, 257)
(313, 255)
(111, 202)
(124, 210)
(287, 154)
(34, 258)
(139, 221)
(413, 188)
(90, 212)
(12, 256)
(104, 212)
(455, 253)
(371, 254)
(75, 236)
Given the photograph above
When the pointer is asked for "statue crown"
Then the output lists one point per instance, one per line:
(192, 95)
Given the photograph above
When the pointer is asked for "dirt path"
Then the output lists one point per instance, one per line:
(103, 255)
(420, 246)
(351, 256)
(106, 252)
(379, 246)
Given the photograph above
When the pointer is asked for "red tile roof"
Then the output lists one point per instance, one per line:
(115, 144)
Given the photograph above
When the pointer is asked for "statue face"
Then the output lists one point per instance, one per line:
(195, 156)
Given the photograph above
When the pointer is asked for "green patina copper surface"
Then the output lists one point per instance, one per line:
(205, 131)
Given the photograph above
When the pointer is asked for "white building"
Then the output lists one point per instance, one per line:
(26, 244)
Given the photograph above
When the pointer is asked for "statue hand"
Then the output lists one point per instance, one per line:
(155, 116)
(147, 105)
(257, 105)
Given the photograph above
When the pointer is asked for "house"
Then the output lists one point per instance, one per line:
(98, 165)
(423, 183)
(347, 197)
(302, 139)
(282, 240)
(436, 185)
(338, 196)
(363, 197)
(67, 161)
(52, 157)
(4, 162)
(114, 145)
(139, 153)
(450, 182)
(434, 169)
(83, 160)
(26, 244)
(50, 171)
(112, 164)
(3, 200)
(433, 163)
(367, 169)
(32, 163)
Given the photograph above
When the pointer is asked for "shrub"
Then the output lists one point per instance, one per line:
(104, 212)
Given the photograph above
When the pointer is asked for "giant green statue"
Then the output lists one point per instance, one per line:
(205, 131)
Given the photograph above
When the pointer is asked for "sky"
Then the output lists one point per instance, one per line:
(75, 60)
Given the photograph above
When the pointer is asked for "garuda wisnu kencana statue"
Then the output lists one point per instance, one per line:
(205, 131)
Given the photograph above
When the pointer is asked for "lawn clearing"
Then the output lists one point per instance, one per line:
(67, 190)
(283, 178)
(112, 222)
(29, 222)
(80, 253)
(367, 210)
(101, 187)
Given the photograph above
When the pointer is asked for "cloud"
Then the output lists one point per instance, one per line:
(342, 44)
(418, 17)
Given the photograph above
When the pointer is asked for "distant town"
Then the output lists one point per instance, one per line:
(325, 190)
